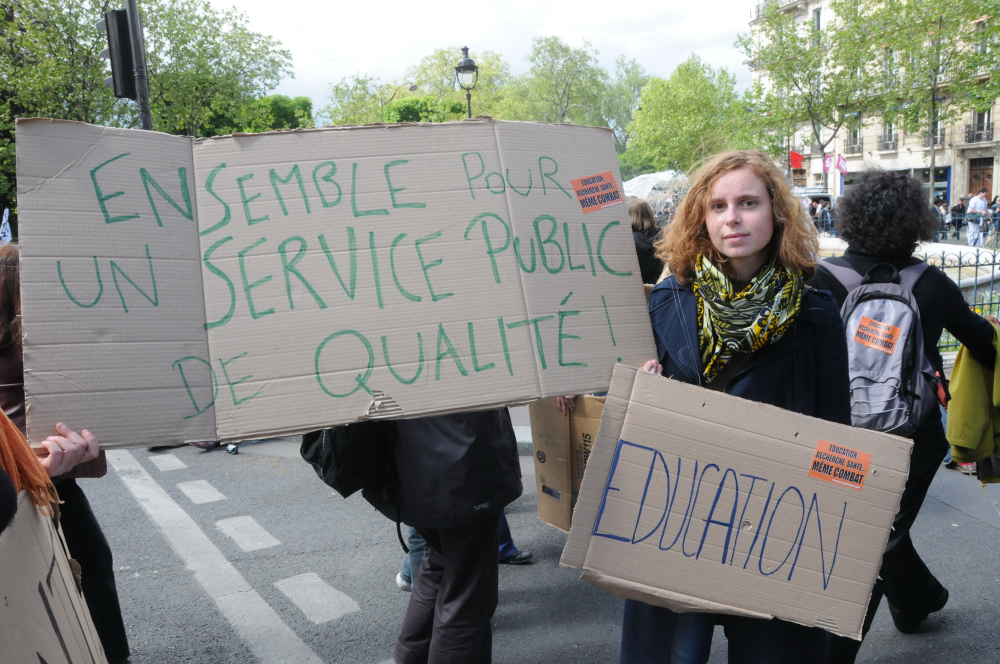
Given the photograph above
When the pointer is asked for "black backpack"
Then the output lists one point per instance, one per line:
(358, 457)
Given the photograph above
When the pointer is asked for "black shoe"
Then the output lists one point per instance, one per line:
(908, 621)
(519, 558)
(160, 448)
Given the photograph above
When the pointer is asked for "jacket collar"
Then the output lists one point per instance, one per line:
(677, 330)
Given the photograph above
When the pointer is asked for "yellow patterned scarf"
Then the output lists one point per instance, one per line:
(743, 322)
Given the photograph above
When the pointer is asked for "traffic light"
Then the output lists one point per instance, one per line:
(119, 53)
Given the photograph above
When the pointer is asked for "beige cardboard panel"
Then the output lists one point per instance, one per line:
(750, 517)
(340, 274)
(43, 617)
(595, 274)
(599, 465)
(584, 424)
(665, 598)
(100, 338)
(551, 448)
(327, 333)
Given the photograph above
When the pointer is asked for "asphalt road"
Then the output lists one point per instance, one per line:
(250, 558)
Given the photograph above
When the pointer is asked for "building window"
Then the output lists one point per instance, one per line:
(798, 177)
(888, 139)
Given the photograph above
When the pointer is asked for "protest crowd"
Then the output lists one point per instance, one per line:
(742, 306)
(758, 324)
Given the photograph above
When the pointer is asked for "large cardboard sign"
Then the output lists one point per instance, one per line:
(251, 285)
(700, 501)
(43, 616)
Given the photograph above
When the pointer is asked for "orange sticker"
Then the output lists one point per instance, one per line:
(876, 334)
(840, 465)
(596, 192)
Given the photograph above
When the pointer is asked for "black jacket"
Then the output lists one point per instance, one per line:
(650, 266)
(456, 469)
(805, 371)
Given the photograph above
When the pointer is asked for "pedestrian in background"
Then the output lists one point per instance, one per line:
(976, 217)
(645, 233)
(735, 317)
(883, 219)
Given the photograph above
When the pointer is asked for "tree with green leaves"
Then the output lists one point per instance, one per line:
(563, 84)
(815, 74)
(288, 113)
(205, 63)
(937, 59)
(434, 77)
(695, 113)
(50, 66)
(621, 99)
(207, 70)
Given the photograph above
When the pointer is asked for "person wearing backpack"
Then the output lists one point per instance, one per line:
(735, 316)
(883, 218)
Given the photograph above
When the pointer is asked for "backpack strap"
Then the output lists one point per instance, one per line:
(909, 276)
(847, 276)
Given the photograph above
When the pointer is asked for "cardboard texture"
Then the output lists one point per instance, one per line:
(561, 446)
(43, 616)
(700, 501)
(245, 286)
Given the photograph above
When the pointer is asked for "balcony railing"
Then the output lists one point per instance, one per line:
(888, 142)
(938, 137)
(855, 146)
(979, 133)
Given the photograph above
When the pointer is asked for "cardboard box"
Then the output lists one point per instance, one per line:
(562, 446)
(700, 501)
(178, 289)
(43, 616)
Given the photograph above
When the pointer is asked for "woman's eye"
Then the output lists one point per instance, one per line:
(749, 203)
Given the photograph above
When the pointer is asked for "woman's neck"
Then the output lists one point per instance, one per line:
(745, 268)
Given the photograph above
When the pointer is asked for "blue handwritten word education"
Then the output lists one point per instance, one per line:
(732, 491)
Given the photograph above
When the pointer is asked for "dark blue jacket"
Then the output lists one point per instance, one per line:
(805, 371)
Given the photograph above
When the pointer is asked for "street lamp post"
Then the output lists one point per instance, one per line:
(467, 75)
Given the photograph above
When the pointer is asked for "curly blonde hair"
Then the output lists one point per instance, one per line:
(794, 239)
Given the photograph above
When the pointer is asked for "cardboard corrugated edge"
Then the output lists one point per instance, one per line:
(585, 515)
(665, 598)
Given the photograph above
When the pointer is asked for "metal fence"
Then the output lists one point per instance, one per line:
(983, 233)
(976, 271)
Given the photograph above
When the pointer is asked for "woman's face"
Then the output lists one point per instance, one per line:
(740, 220)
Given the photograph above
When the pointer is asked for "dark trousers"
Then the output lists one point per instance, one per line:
(655, 635)
(88, 546)
(905, 581)
(453, 598)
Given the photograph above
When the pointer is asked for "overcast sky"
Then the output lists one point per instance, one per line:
(330, 40)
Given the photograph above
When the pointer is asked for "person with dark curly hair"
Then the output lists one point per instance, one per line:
(883, 219)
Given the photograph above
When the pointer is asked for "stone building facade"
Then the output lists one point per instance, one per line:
(966, 152)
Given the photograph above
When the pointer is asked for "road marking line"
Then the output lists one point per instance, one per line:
(200, 491)
(320, 602)
(247, 533)
(267, 636)
(166, 462)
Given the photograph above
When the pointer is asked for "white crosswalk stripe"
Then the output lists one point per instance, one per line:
(268, 637)
(320, 602)
(164, 462)
(200, 491)
(247, 533)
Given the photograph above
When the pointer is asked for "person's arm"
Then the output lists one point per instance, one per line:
(68, 450)
(972, 330)
(833, 384)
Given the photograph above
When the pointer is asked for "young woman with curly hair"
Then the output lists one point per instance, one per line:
(736, 316)
(883, 218)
